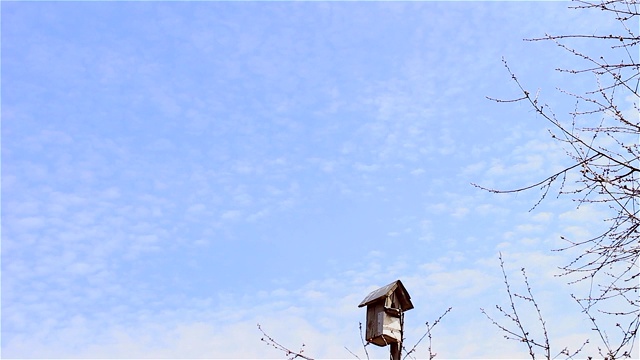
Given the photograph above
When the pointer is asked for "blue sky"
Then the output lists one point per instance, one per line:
(174, 173)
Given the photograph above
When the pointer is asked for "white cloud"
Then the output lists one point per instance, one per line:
(460, 212)
(366, 167)
(324, 318)
(231, 215)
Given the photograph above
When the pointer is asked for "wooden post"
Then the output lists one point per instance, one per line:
(396, 351)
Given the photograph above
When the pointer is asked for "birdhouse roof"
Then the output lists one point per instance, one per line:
(385, 291)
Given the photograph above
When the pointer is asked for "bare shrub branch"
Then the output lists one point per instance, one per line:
(518, 332)
(290, 354)
(427, 334)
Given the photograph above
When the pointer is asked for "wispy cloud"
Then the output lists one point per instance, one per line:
(171, 180)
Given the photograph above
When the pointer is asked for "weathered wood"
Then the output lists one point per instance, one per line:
(400, 297)
(385, 308)
(383, 325)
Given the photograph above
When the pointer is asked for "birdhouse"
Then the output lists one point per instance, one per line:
(385, 308)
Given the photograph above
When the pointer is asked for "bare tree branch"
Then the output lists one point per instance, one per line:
(602, 140)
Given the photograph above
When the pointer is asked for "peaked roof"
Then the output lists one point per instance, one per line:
(401, 293)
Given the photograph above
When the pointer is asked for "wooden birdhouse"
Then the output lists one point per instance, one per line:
(385, 309)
